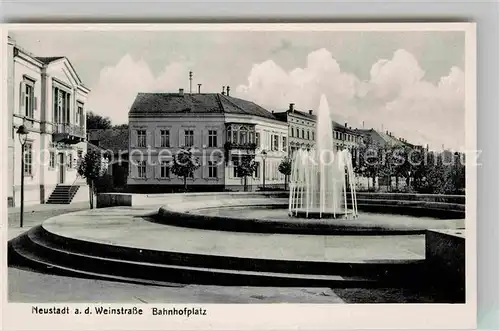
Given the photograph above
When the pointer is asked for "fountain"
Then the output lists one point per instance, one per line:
(322, 178)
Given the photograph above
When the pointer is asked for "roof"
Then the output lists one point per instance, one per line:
(195, 103)
(115, 140)
(382, 138)
(282, 116)
(49, 59)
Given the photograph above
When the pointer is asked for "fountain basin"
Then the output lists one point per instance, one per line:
(320, 214)
(270, 215)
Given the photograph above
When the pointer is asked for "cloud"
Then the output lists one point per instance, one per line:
(118, 86)
(396, 97)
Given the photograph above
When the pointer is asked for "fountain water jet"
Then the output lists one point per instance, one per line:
(322, 177)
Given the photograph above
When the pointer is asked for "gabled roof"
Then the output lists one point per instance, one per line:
(196, 103)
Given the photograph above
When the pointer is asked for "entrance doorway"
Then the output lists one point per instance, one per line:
(62, 168)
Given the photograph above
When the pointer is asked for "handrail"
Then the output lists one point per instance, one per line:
(71, 186)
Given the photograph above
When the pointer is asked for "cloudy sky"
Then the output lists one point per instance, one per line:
(410, 83)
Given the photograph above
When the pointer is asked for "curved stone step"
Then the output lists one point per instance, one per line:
(38, 263)
(388, 271)
(160, 273)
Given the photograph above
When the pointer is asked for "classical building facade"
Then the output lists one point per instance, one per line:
(220, 129)
(46, 95)
(302, 130)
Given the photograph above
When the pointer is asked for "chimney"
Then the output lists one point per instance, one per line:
(387, 132)
(291, 107)
(227, 89)
(345, 124)
(272, 111)
(190, 82)
(223, 90)
(181, 91)
(199, 88)
(310, 111)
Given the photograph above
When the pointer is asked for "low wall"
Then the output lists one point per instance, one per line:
(131, 199)
(445, 261)
(433, 205)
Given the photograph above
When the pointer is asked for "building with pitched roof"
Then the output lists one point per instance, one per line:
(220, 128)
(47, 96)
(302, 130)
(114, 144)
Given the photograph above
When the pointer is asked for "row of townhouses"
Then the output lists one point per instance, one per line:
(220, 129)
(46, 95)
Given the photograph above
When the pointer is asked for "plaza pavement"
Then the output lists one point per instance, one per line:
(36, 214)
(127, 226)
(29, 286)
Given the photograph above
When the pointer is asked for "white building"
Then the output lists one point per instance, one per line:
(46, 95)
(219, 127)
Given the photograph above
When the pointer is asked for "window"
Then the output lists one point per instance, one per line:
(313, 135)
(164, 138)
(297, 132)
(308, 137)
(212, 138)
(52, 160)
(243, 135)
(257, 170)
(189, 138)
(61, 105)
(229, 131)
(284, 144)
(28, 99)
(257, 139)
(235, 167)
(165, 169)
(28, 158)
(303, 134)
(79, 115)
(141, 169)
(141, 138)
(275, 142)
(212, 169)
(80, 157)
(291, 132)
(69, 164)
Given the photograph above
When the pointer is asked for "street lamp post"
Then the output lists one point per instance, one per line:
(264, 156)
(22, 132)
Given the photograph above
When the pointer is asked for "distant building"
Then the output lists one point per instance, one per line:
(384, 138)
(302, 130)
(115, 143)
(219, 127)
(46, 95)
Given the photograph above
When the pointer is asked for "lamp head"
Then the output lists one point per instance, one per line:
(264, 154)
(22, 132)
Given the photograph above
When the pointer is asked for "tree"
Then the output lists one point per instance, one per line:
(246, 167)
(121, 126)
(369, 160)
(285, 168)
(92, 167)
(184, 164)
(97, 122)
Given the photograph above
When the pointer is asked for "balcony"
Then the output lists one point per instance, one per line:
(68, 133)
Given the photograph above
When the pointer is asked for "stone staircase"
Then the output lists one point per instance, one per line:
(47, 252)
(63, 194)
